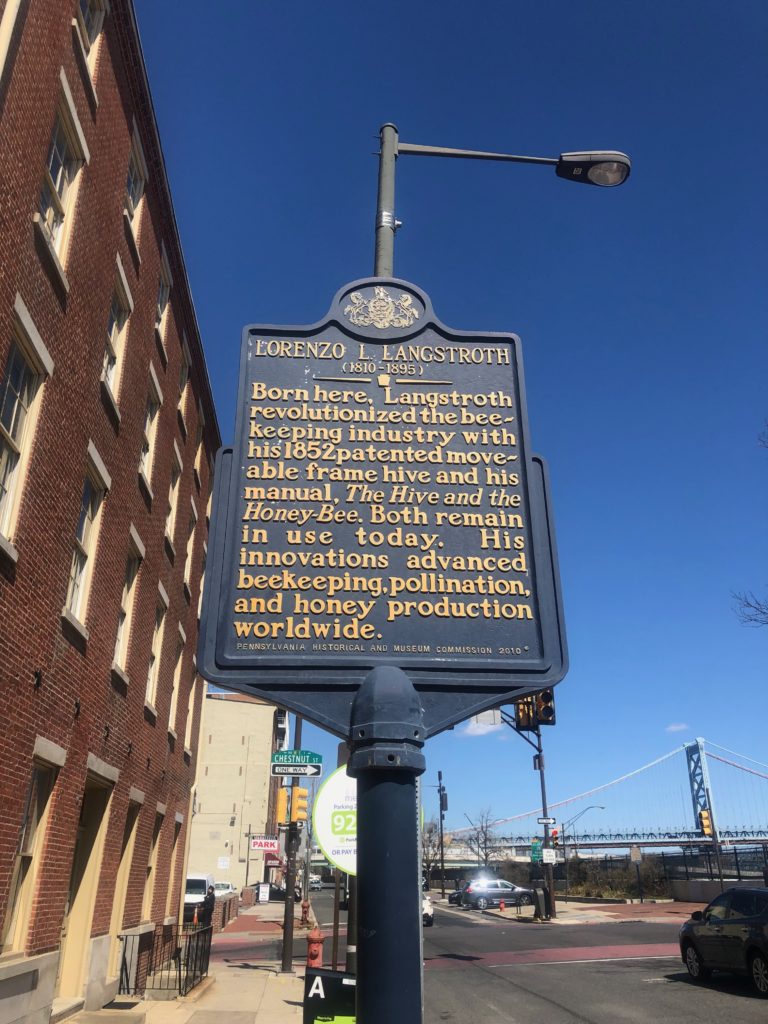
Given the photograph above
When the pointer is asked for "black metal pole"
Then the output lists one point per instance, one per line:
(549, 874)
(335, 945)
(351, 962)
(442, 841)
(386, 737)
(291, 847)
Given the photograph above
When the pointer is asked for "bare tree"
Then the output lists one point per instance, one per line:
(482, 839)
(430, 846)
(750, 609)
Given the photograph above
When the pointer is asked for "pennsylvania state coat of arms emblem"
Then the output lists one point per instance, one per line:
(381, 310)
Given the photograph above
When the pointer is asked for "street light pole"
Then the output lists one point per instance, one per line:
(606, 168)
(443, 804)
(549, 871)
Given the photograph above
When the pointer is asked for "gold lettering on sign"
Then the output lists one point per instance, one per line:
(382, 495)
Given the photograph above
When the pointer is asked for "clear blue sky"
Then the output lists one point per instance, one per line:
(642, 309)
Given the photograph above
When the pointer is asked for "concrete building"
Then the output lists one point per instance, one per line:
(234, 794)
(107, 434)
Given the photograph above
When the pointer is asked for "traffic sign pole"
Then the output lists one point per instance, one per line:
(292, 843)
(386, 737)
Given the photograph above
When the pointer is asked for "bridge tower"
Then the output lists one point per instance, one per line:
(701, 790)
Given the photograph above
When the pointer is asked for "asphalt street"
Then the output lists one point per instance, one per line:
(480, 968)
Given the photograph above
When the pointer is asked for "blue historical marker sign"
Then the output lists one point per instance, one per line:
(381, 505)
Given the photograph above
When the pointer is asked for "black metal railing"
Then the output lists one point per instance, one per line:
(164, 961)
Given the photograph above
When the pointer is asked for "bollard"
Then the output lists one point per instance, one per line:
(315, 948)
(304, 922)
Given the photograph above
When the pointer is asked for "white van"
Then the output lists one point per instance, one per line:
(194, 893)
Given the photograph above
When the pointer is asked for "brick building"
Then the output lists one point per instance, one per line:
(107, 434)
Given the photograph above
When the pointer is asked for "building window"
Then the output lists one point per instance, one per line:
(176, 684)
(152, 409)
(190, 545)
(135, 182)
(164, 284)
(82, 556)
(120, 309)
(90, 20)
(67, 153)
(202, 579)
(190, 714)
(155, 652)
(28, 857)
(173, 496)
(27, 366)
(125, 615)
(17, 393)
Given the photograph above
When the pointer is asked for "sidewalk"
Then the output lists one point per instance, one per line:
(242, 989)
(666, 912)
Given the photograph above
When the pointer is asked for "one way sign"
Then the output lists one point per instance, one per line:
(297, 769)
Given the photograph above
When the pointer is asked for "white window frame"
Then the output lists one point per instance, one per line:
(149, 435)
(91, 40)
(26, 340)
(58, 197)
(97, 484)
(174, 486)
(122, 300)
(138, 173)
(156, 648)
(136, 553)
(164, 287)
(191, 527)
(181, 642)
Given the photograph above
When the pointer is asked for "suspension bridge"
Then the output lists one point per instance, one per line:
(698, 795)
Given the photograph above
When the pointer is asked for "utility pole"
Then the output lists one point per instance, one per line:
(291, 846)
(443, 797)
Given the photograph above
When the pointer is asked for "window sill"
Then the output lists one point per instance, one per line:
(187, 753)
(74, 623)
(169, 921)
(7, 550)
(196, 475)
(172, 734)
(85, 71)
(131, 236)
(53, 260)
(144, 483)
(111, 401)
(182, 424)
(119, 674)
(150, 708)
(187, 593)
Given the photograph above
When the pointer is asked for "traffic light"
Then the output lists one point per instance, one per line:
(705, 822)
(545, 707)
(525, 717)
(282, 805)
(555, 837)
(299, 804)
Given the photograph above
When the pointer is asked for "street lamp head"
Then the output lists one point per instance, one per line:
(605, 168)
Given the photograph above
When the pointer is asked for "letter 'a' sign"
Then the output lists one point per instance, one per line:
(381, 505)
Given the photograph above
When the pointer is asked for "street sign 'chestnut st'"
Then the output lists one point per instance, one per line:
(381, 508)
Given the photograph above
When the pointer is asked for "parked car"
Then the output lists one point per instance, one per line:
(731, 934)
(224, 888)
(489, 892)
(315, 885)
(427, 911)
(277, 893)
(455, 897)
(195, 888)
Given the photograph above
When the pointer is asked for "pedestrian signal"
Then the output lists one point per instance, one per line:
(555, 837)
(299, 804)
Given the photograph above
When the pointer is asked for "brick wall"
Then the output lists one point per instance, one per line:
(76, 701)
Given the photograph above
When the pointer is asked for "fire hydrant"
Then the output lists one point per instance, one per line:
(315, 948)
(304, 922)
(501, 906)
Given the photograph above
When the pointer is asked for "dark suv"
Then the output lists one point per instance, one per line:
(731, 934)
(489, 892)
